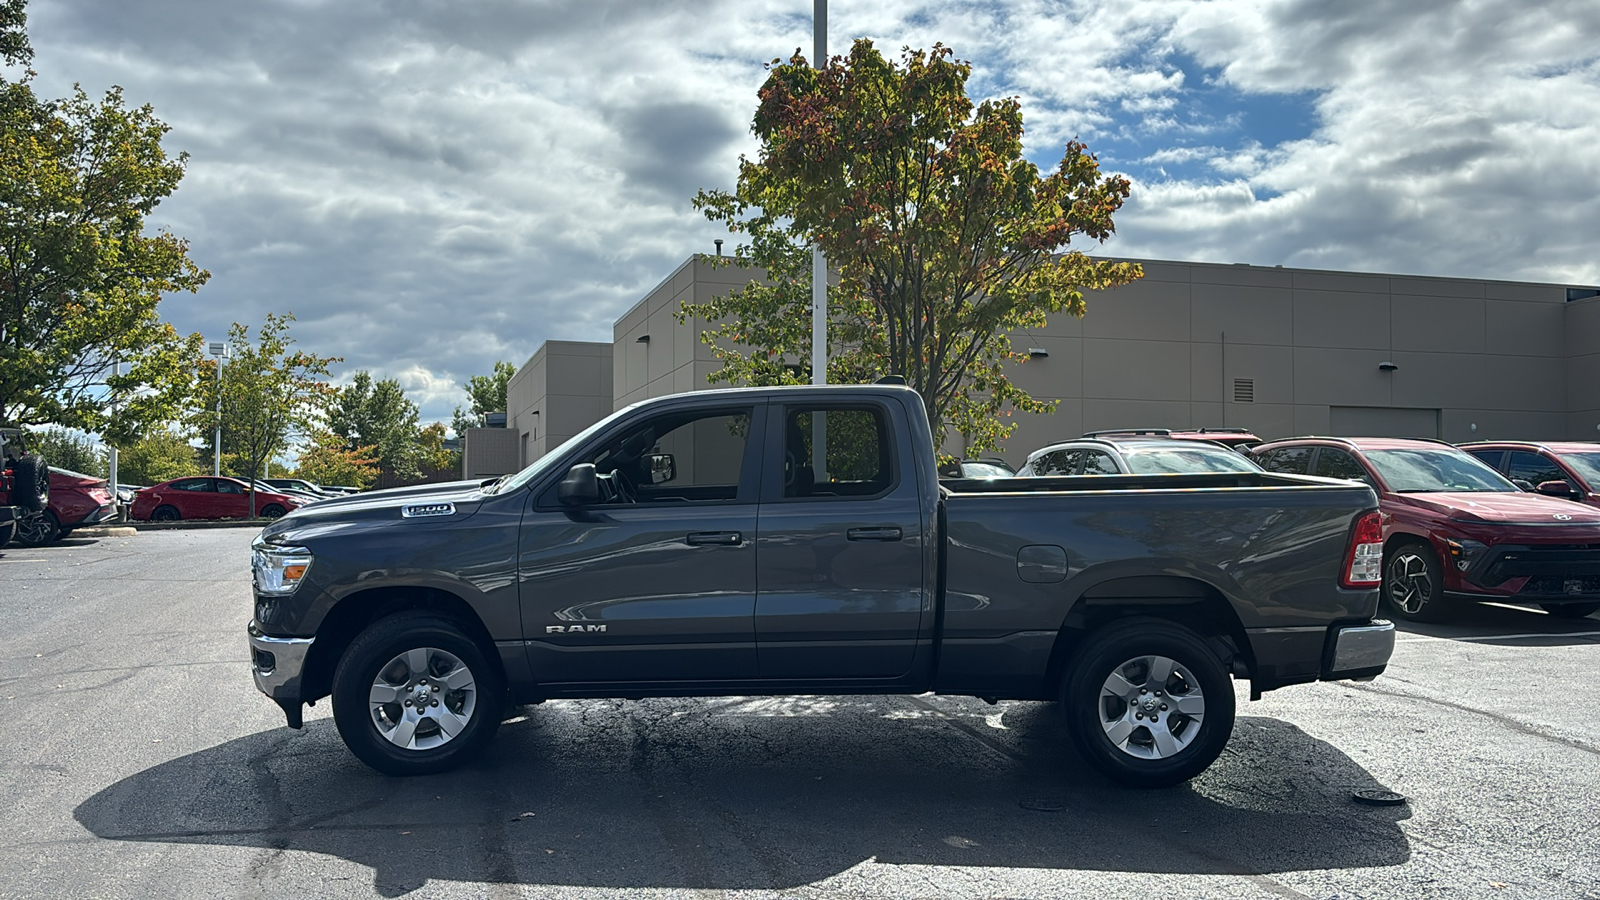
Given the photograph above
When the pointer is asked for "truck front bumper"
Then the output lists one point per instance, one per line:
(1359, 651)
(277, 664)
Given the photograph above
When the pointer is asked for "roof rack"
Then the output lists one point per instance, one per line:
(1223, 431)
(1158, 432)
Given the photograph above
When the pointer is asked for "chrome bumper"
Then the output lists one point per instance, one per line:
(1361, 651)
(277, 664)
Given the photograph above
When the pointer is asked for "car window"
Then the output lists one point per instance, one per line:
(680, 457)
(1056, 462)
(1185, 461)
(983, 470)
(855, 461)
(1332, 463)
(1421, 471)
(1533, 468)
(193, 484)
(1490, 458)
(1098, 463)
(1290, 460)
(1586, 464)
(224, 486)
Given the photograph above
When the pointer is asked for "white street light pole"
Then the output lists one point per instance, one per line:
(111, 475)
(220, 351)
(819, 280)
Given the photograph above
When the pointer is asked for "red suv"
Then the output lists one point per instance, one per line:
(1455, 529)
(76, 500)
(206, 498)
(1570, 470)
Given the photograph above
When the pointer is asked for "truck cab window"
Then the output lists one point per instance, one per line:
(855, 461)
(675, 458)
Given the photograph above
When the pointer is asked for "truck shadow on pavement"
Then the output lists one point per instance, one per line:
(760, 793)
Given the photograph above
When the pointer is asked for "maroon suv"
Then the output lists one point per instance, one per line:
(1569, 469)
(1455, 529)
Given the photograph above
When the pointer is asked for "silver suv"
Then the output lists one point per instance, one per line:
(1133, 456)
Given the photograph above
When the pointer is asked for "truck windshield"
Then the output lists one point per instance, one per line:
(1424, 471)
(512, 482)
(1186, 461)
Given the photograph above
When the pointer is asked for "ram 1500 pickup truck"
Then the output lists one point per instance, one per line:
(799, 541)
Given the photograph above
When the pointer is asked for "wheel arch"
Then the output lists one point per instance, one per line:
(1189, 602)
(352, 614)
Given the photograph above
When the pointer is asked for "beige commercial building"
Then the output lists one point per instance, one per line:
(1275, 350)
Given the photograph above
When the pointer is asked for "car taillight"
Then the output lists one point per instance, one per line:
(1363, 563)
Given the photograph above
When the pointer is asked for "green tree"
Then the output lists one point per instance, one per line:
(328, 459)
(70, 450)
(485, 394)
(434, 455)
(943, 235)
(161, 455)
(378, 414)
(80, 273)
(271, 393)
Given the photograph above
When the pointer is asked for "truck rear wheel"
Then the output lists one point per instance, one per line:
(1148, 703)
(413, 695)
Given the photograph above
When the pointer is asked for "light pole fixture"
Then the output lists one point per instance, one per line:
(219, 349)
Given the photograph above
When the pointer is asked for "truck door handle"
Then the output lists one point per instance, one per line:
(714, 538)
(888, 533)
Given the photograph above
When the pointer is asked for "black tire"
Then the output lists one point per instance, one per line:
(165, 513)
(377, 653)
(8, 530)
(1413, 583)
(1570, 610)
(273, 511)
(30, 483)
(1093, 713)
(38, 530)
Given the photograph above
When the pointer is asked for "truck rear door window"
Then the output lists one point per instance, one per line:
(856, 458)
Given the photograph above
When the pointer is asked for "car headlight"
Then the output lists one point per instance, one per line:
(279, 570)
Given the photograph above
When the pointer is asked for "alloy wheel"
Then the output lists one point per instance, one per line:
(1151, 707)
(1410, 585)
(422, 698)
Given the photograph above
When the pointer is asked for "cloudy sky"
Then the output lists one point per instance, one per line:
(431, 185)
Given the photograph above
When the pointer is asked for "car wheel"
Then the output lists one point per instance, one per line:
(165, 514)
(413, 695)
(38, 529)
(1148, 703)
(30, 479)
(1571, 610)
(273, 511)
(8, 530)
(1412, 585)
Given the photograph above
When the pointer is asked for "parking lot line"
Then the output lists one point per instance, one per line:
(1478, 638)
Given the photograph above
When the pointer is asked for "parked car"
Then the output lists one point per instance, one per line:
(625, 563)
(1568, 469)
(76, 500)
(1457, 530)
(344, 489)
(207, 498)
(978, 468)
(1233, 438)
(302, 486)
(304, 497)
(1134, 454)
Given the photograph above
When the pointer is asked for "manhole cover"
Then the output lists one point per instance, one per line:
(1042, 805)
(1377, 797)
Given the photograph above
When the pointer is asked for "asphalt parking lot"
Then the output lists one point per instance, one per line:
(141, 762)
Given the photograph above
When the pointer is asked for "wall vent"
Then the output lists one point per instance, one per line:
(1244, 390)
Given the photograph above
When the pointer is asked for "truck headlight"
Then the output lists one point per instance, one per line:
(279, 570)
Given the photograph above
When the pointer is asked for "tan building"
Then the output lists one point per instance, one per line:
(1278, 351)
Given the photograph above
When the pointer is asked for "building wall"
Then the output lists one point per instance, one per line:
(562, 389)
(488, 453)
(1278, 351)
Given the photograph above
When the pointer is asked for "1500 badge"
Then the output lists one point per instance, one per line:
(572, 629)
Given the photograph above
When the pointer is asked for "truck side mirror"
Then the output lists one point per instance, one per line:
(663, 468)
(1557, 488)
(580, 486)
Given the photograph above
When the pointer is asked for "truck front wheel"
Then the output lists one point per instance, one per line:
(1148, 703)
(413, 695)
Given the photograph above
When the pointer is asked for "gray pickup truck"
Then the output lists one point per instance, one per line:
(799, 541)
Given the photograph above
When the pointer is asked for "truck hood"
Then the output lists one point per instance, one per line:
(1505, 508)
(462, 497)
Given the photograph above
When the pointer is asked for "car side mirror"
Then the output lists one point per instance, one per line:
(1557, 488)
(580, 486)
(663, 468)
(1523, 484)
